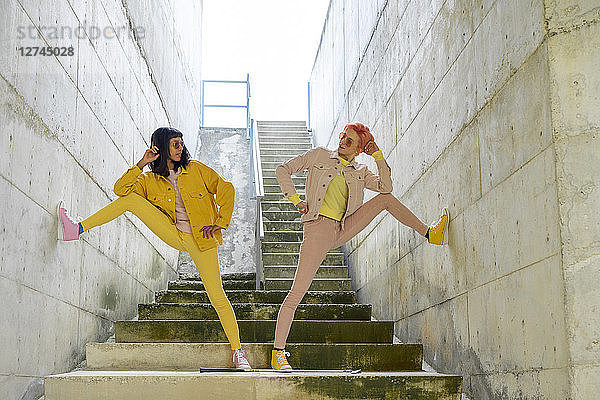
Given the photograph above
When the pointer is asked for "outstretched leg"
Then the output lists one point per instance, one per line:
(151, 216)
(369, 210)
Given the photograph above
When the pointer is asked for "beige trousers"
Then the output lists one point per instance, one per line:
(324, 234)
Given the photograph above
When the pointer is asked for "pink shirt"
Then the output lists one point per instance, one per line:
(183, 221)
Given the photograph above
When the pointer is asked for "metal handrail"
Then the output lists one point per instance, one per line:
(246, 106)
(308, 119)
(258, 192)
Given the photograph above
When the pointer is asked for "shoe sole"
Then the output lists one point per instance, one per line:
(286, 371)
(445, 234)
(60, 231)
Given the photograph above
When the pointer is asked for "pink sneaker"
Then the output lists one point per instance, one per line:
(240, 360)
(67, 228)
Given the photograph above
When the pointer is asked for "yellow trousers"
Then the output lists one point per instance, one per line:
(207, 262)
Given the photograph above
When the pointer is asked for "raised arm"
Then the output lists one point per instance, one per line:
(382, 182)
(131, 181)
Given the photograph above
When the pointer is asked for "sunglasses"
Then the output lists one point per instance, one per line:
(178, 144)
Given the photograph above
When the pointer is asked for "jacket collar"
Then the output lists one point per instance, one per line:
(184, 171)
(334, 154)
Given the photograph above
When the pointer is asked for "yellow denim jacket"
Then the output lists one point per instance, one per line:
(322, 165)
(198, 185)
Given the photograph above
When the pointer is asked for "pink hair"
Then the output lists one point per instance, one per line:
(364, 134)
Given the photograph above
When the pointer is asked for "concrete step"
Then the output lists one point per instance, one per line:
(240, 276)
(293, 152)
(255, 331)
(251, 311)
(287, 247)
(279, 157)
(280, 122)
(270, 173)
(295, 131)
(316, 285)
(283, 141)
(283, 128)
(283, 225)
(283, 236)
(268, 124)
(279, 197)
(174, 385)
(283, 137)
(292, 258)
(198, 285)
(277, 189)
(297, 180)
(268, 165)
(256, 296)
(282, 205)
(281, 216)
(282, 148)
(285, 271)
(193, 356)
(281, 131)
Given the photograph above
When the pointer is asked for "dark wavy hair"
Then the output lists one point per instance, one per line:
(160, 138)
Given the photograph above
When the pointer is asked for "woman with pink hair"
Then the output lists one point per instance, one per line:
(333, 212)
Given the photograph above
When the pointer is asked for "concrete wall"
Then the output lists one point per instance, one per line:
(227, 151)
(491, 109)
(574, 57)
(71, 125)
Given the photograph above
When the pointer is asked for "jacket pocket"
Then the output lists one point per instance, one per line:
(157, 199)
(197, 195)
(322, 166)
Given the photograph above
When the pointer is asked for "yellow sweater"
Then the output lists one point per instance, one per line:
(336, 197)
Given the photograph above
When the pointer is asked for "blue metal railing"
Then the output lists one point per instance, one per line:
(246, 106)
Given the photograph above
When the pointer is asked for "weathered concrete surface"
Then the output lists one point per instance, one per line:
(227, 151)
(491, 109)
(122, 385)
(190, 356)
(255, 311)
(254, 331)
(71, 126)
(574, 56)
(259, 296)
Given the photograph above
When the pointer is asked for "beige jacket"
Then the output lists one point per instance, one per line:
(322, 165)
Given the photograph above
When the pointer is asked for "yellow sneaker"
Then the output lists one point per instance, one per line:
(437, 232)
(279, 361)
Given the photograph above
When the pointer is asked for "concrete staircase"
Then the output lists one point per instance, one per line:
(159, 355)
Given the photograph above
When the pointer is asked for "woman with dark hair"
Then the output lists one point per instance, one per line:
(333, 213)
(176, 200)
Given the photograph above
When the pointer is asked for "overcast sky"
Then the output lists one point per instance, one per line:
(275, 41)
